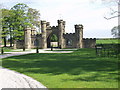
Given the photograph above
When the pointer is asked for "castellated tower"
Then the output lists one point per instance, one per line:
(27, 38)
(33, 31)
(61, 28)
(79, 35)
(43, 31)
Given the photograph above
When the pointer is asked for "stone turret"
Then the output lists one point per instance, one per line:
(27, 38)
(61, 28)
(43, 31)
(79, 35)
(33, 31)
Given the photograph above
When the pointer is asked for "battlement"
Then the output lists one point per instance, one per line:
(69, 34)
(89, 38)
(33, 34)
(54, 27)
(78, 26)
(27, 28)
(43, 22)
(48, 24)
(61, 21)
(48, 28)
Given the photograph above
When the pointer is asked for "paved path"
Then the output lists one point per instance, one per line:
(8, 54)
(12, 79)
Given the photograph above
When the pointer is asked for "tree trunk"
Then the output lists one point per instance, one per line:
(11, 42)
(4, 38)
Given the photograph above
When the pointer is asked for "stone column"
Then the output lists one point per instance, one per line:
(27, 38)
(61, 28)
(43, 31)
(79, 35)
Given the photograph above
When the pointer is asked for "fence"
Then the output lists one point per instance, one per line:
(107, 50)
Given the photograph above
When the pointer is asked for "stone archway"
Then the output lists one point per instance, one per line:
(48, 41)
(51, 38)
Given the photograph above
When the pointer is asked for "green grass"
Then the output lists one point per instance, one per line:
(107, 41)
(61, 50)
(80, 69)
(10, 49)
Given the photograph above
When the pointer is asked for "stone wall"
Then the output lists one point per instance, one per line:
(68, 40)
(89, 42)
(19, 44)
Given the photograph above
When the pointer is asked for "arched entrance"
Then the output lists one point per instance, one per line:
(52, 39)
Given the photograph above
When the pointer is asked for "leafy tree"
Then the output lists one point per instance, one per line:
(54, 38)
(116, 31)
(19, 20)
(34, 17)
(5, 24)
(24, 16)
(16, 19)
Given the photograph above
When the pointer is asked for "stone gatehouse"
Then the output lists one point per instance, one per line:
(64, 40)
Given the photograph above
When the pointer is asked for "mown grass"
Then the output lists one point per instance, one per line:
(10, 49)
(81, 69)
(108, 41)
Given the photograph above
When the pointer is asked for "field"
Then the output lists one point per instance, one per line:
(108, 41)
(80, 69)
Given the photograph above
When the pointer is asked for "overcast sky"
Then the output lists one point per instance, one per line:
(87, 12)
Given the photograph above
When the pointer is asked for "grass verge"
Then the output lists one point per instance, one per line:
(80, 69)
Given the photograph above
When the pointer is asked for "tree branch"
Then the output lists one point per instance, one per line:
(112, 17)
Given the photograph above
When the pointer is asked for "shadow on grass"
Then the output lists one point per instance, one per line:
(77, 63)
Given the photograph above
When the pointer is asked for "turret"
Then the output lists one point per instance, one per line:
(43, 31)
(27, 38)
(61, 28)
(79, 35)
(33, 31)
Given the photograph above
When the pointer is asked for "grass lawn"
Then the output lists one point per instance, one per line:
(80, 69)
(10, 49)
(107, 41)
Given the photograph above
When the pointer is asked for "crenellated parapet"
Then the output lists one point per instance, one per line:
(89, 42)
(65, 40)
(89, 38)
(69, 34)
(54, 27)
(78, 26)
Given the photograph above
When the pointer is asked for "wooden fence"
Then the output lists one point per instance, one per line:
(107, 50)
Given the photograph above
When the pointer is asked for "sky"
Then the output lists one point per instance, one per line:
(89, 13)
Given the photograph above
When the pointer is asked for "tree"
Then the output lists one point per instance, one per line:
(24, 16)
(16, 19)
(113, 5)
(34, 17)
(19, 20)
(5, 24)
(116, 31)
(54, 38)
(113, 13)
